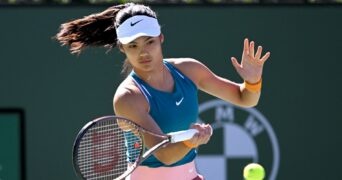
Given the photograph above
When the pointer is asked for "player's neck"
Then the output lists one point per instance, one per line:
(160, 79)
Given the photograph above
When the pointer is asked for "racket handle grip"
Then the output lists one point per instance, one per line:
(182, 135)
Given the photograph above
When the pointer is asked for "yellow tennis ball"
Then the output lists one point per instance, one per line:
(254, 171)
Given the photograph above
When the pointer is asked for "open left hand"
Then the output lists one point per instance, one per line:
(252, 63)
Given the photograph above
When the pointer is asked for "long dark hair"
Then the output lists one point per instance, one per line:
(99, 29)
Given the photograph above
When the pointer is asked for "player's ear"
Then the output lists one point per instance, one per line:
(121, 48)
(161, 37)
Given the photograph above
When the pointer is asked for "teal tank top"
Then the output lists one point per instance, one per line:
(172, 111)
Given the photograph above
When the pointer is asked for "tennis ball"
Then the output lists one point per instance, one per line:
(254, 171)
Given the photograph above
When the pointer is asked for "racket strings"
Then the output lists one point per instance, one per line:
(107, 149)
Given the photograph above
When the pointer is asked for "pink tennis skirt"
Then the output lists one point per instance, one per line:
(183, 172)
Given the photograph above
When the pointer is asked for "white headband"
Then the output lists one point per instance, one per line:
(137, 26)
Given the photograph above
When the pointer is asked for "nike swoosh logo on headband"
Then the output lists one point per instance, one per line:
(134, 23)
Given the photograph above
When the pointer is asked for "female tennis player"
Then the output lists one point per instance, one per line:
(160, 94)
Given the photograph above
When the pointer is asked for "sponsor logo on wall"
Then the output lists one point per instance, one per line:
(241, 136)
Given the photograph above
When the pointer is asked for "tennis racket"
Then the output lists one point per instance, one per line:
(112, 147)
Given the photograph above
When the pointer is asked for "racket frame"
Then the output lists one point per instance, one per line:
(142, 156)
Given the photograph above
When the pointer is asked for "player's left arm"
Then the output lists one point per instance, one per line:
(250, 70)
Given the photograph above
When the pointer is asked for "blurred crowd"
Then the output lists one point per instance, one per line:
(164, 2)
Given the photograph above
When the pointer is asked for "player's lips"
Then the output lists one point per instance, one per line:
(144, 61)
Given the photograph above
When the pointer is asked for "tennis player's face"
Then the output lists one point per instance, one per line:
(144, 53)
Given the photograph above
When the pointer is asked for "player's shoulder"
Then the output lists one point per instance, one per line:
(128, 95)
(192, 68)
(127, 90)
(185, 61)
(186, 65)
